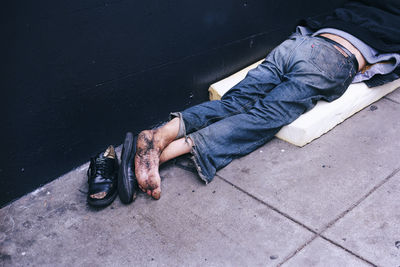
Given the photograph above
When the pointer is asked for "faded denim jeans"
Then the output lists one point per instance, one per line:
(289, 82)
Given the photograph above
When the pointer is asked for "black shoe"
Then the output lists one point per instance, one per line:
(127, 183)
(102, 178)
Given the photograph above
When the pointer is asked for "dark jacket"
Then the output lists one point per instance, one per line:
(376, 22)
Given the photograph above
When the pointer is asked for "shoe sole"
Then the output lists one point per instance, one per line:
(126, 190)
(102, 202)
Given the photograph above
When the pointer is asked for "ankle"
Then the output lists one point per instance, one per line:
(169, 131)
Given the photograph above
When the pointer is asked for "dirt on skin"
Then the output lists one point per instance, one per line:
(147, 157)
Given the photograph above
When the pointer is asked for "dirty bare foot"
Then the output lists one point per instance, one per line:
(150, 144)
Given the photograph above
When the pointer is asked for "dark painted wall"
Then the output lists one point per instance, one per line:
(76, 75)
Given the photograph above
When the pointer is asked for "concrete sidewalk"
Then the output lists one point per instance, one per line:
(334, 202)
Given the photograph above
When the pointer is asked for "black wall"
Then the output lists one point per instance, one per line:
(76, 75)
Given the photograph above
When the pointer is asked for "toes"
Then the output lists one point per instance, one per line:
(149, 192)
(156, 194)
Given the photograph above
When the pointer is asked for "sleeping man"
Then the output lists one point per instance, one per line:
(358, 42)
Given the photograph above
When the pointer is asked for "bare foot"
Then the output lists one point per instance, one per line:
(150, 144)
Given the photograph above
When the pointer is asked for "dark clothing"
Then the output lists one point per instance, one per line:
(375, 22)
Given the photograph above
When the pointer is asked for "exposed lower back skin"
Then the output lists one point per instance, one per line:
(360, 58)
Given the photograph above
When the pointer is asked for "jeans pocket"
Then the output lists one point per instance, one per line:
(327, 60)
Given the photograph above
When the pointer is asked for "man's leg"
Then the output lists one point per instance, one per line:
(313, 70)
(175, 149)
(157, 146)
(239, 99)
(218, 144)
(307, 77)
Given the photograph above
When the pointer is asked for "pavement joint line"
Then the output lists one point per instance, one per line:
(320, 233)
(328, 240)
(260, 200)
(297, 250)
(347, 250)
(388, 97)
(316, 234)
(377, 186)
(329, 225)
(287, 216)
(391, 100)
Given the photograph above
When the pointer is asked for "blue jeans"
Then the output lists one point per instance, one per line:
(289, 82)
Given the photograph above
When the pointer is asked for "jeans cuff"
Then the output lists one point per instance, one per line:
(198, 162)
(195, 154)
(182, 128)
